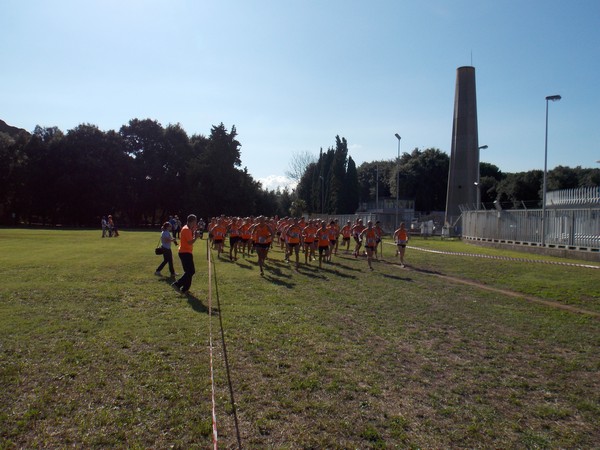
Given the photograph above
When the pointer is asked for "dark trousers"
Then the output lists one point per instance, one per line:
(167, 259)
(187, 262)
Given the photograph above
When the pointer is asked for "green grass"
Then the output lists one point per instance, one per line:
(97, 352)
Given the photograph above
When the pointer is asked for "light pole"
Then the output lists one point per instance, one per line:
(397, 178)
(478, 182)
(553, 98)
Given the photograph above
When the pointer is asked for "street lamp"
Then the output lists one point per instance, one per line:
(397, 178)
(553, 98)
(478, 182)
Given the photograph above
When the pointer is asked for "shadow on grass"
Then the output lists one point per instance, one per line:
(311, 272)
(396, 277)
(429, 272)
(336, 272)
(192, 300)
(243, 266)
(345, 267)
(198, 306)
(278, 281)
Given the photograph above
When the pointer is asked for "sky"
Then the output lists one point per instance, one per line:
(291, 75)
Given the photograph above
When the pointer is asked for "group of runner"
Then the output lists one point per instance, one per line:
(292, 234)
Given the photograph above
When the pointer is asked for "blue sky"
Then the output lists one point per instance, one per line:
(291, 75)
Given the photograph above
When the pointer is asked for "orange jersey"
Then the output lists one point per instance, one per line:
(293, 234)
(357, 229)
(262, 234)
(346, 231)
(234, 230)
(323, 237)
(401, 235)
(333, 233)
(370, 236)
(310, 234)
(245, 231)
(219, 232)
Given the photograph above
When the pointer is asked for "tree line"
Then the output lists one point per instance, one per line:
(139, 174)
(422, 176)
(145, 172)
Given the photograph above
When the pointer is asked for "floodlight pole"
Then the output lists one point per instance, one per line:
(397, 179)
(553, 98)
(478, 183)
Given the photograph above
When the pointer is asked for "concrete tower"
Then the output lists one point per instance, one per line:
(464, 154)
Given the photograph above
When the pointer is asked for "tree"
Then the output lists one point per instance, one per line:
(13, 171)
(298, 165)
(39, 199)
(489, 177)
(144, 142)
(562, 177)
(520, 188)
(424, 177)
(350, 197)
(372, 175)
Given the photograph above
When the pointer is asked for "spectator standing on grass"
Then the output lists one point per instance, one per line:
(104, 224)
(186, 247)
(166, 239)
(401, 238)
(111, 225)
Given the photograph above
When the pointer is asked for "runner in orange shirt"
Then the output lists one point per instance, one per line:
(234, 238)
(293, 236)
(337, 236)
(246, 236)
(401, 238)
(218, 232)
(263, 236)
(357, 229)
(323, 240)
(309, 235)
(346, 234)
(333, 236)
(369, 235)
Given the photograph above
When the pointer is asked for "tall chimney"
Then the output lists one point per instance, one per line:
(464, 153)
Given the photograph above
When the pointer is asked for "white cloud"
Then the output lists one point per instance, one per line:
(272, 182)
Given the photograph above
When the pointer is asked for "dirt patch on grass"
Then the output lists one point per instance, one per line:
(507, 292)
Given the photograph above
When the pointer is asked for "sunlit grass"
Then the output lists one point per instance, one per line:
(98, 352)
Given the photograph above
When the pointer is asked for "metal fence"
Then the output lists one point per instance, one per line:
(576, 229)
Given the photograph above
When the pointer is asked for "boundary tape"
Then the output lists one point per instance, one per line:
(215, 438)
(503, 258)
(212, 276)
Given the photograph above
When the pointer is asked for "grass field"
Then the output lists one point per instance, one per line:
(98, 352)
